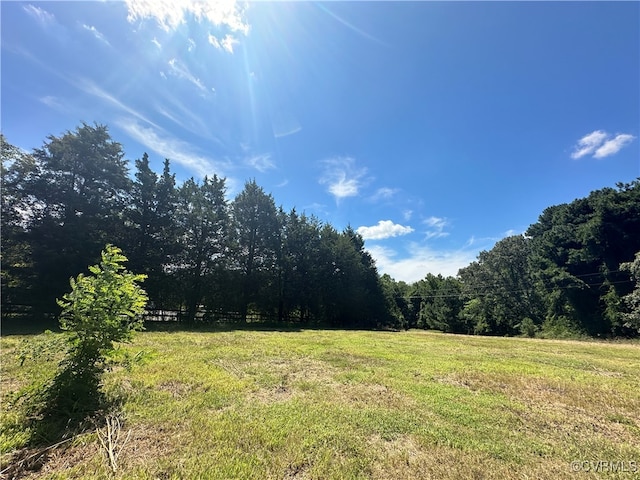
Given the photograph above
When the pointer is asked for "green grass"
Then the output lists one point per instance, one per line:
(351, 405)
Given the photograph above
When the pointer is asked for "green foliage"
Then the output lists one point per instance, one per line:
(503, 283)
(255, 230)
(576, 252)
(219, 260)
(528, 328)
(75, 197)
(632, 299)
(102, 308)
(202, 227)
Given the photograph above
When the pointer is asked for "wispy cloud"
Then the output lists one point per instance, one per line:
(180, 70)
(384, 229)
(511, 232)
(91, 88)
(418, 260)
(613, 146)
(384, 193)
(350, 25)
(192, 44)
(435, 227)
(283, 122)
(156, 43)
(51, 102)
(43, 17)
(170, 14)
(171, 107)
(261, 162)
(600, 144)
(342, 177)
(225, 44)
(158, 140)
(320, 208)
(96, 33)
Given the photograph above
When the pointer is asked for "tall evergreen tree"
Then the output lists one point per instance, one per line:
(203, 222)
(17, 169)
(152, 239)
(80, 191)
(300, 262)
(256, 241)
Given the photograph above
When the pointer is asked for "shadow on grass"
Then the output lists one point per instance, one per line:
(250, 327)
(11, 326)
(71, 404)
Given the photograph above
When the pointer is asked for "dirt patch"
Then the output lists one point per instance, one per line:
(279, 379)
(177, 388)
(371, 395)
(296, 471)
(147, 443)
(280, 393)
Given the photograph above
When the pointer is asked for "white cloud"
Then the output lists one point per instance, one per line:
(600, 144)
(384, 229)
(96, 33)
(283, 122)
(511, 232)
(342, 177)
(407, 214)
(587, 144)
(163, 144)
(226, 43)
(156, 43)
(181, 71)
(613, 146)
(51, 102)
(43, 17)
(321, 208)
(436, 227)
(352, 27)
(213, 40)
(192, 44)
(262, 162)
(384, 193)
(91, 88)
(420, 260)
(170, 14)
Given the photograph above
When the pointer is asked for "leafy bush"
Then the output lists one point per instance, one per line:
(101, 309)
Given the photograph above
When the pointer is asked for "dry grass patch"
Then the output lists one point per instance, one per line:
(407, 457)
(80, 455)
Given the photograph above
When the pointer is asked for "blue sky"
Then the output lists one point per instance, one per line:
(435, 129)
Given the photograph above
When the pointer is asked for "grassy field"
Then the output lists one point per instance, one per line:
(319, 404)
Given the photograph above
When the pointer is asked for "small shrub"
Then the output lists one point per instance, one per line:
(101, 309)
(528, 328)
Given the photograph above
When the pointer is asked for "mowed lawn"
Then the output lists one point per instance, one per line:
(328, 404)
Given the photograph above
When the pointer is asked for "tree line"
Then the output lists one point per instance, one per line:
(236, 260)
(576, 271)
(211, 258)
